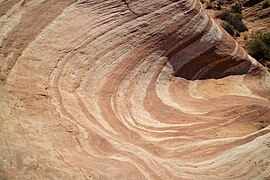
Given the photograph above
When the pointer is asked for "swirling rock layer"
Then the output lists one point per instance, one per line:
(128, 89)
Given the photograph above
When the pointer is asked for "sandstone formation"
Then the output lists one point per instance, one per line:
(257, 18)
(128, 89)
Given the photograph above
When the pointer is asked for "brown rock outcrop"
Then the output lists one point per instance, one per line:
(128, 89)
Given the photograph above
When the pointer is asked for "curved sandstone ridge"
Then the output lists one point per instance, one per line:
(128, 89)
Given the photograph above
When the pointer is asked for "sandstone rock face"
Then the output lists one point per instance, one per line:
(128, 89)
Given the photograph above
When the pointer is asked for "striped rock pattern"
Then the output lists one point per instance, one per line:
(128, 89)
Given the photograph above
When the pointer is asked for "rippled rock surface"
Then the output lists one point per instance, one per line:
(128, 89)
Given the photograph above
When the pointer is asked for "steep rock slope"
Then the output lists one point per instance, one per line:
(257, 18)
(134, 89)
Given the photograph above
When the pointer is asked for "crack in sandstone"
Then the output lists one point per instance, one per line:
(133, 12)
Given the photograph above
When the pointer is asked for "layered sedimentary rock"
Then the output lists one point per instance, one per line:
(128, 89)
(257, 16)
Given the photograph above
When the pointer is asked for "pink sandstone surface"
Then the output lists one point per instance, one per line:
(128, 89)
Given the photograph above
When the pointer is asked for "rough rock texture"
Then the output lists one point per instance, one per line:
(257, 18)
(128, 89)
